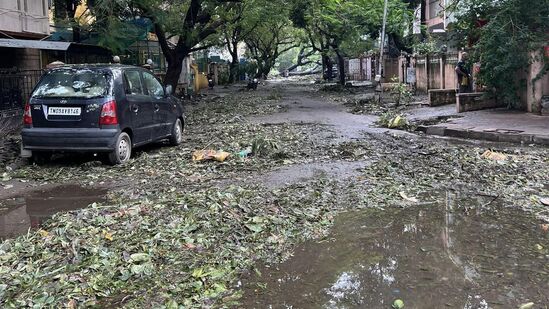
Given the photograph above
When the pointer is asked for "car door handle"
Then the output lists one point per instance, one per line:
(135, 108)
(156, 108)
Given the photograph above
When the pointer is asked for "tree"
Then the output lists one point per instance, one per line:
(303, 58)
(241, 21)
(272, 35)
(335, 27)
(64, 13)
(182, 26)
(502, 35)
(267, 43)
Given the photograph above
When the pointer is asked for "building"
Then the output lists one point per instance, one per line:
(23, 19)
(436, 18)
(27, 46)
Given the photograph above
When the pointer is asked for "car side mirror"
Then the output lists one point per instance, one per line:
(169, 90)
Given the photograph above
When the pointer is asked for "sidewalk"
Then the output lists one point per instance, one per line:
(499, 125)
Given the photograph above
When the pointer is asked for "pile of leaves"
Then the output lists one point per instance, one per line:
(190, 247)
(173, 236)
(413, 165)
(167, 226)
(220, 124)
(393, 121)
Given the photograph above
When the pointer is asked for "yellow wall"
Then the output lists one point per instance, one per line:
(200, 80)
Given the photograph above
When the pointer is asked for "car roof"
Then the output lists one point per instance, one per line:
(96, 66)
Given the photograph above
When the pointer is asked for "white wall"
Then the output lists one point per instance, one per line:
(24, 16)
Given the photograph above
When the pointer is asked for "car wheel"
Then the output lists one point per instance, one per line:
(41, 158)
(122, 150)
(177, 133)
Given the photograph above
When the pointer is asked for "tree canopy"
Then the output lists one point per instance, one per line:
(346, 28)
(331, 28)
(502, 35)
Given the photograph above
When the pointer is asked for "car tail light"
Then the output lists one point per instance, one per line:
(108, 114)
(27, 116)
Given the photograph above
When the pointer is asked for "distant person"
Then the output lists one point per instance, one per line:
(463, 74)
(116, 60)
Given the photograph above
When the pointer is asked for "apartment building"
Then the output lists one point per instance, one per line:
(22, 23)
(24, 18)
(436, 16)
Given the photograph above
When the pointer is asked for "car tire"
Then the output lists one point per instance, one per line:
(40, 158)
(122, 150)
(176, 137)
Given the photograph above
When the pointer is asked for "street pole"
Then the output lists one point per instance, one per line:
(378, 77)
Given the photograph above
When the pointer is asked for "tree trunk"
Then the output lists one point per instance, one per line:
(329, 73)
(76, 37)
(173, 72)
(234, 67)
(234, 71)
(264, 71)
(324, 75)
(341, 68)
(264, 66)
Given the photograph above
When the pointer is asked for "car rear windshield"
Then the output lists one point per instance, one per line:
(71, 83)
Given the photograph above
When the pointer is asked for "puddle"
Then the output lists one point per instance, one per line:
(19, 214)
(452, 253)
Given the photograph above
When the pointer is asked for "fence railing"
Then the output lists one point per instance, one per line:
(16, 87)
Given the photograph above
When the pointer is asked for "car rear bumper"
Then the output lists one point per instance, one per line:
(69, 139)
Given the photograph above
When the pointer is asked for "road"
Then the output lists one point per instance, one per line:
(332, 211)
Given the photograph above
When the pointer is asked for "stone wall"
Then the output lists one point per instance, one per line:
(438, 97)
(475, 101)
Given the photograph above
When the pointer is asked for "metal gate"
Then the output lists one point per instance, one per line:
(16, 87)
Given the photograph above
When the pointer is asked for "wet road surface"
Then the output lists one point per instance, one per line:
(450, 251)
(18, 214)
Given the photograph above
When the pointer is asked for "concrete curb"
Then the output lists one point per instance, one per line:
(487, 136)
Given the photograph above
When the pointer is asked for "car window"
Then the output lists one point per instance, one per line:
(72, 83)
(153, 85)
(133, 80)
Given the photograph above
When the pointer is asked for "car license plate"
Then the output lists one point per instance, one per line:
(64, 111)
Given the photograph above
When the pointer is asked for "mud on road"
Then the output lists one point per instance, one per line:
(175, 232)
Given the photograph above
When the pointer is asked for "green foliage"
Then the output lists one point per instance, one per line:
(393, 120)
(224, 78)
(400, 92)
(347, 28)
(514, 29)
(273, 35)
(262, 146)
(250, 68)
(427, 47)
(288, 58)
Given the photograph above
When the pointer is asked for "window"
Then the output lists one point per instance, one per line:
(81, 83)
(435, 7)
(153, 85)
(133, 82)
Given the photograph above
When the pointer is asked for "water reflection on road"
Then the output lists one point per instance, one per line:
(452, 251)
(20, 213)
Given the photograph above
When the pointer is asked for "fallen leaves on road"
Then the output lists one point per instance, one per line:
(172, 236)
(158, 247)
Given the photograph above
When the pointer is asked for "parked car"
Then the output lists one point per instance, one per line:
(108, 109)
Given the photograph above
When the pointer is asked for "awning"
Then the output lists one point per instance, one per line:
(49, 45)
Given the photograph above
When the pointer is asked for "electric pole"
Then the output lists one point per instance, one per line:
(378, 77)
